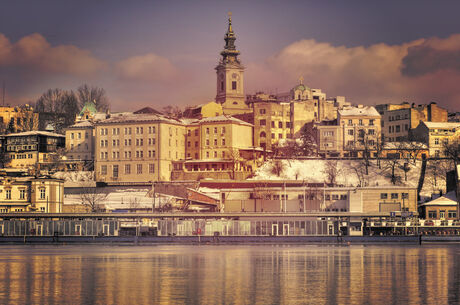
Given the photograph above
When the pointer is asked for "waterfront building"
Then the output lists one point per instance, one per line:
(30, 194)
(436, 135)
(137, 147)
(355, 132)
(204, 110)
(33, 149)
(441, 208)
(230, 77)
(79, 141)
(399, 119)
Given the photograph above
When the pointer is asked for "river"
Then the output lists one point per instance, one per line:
(230, 274)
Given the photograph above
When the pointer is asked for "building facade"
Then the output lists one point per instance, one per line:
(79, 141)
(30, 194)
(436, 135)
(17, 119)
(137, 147)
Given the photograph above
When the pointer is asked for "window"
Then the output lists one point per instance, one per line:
(223, 130)
(394, 195)
(189, 144)
(350, 132)
(104, 170)
(328, 133)
(280, 136)
(432, 214)
(233, 85)
(350, 122)
(273, 124)
(263, 122)
(151, 168)
(196, 143)
(328, 197)
(215, 130)
(436, 141)
(360, 122)
(343, 197)
(215, 154)
(196, 132)
(371, 122)
(263, 134)
(383, 196)
(215, 142)
(207, 142)
(42, 193)
(139, 168)
(398, 128)
(127, 169)
(207, 130)
(223, 142)
(280, 124)
(335, 197)
(405, 195)
(288, 124)
(262, 111)
(7, 194)
(452, 214)
(115, 171)
(371, 132)
(72, 136)
(207, 154)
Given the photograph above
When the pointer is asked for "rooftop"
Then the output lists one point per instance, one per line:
(442, 124)
(449, 199)
(33, 133)
(359, 111)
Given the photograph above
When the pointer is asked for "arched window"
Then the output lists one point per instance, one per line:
(262, 134)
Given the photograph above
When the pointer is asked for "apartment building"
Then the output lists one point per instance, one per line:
(32, 149)
(436, 135)
(357, 131)
(137, 147)
(79, 141)
(217, 147)
(30, 194)
(399, 119)
(18, 119)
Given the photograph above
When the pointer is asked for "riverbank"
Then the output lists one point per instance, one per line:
(225, 239)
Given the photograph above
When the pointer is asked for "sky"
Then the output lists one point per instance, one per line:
(160, 53)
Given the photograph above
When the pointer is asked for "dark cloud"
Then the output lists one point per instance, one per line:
(421, 60)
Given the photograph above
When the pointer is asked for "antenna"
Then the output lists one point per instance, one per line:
(3, 94)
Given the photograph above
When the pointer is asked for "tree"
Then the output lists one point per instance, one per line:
(92, 197)
(332, 171)
(452, 151)
(308, 144)
(389, 167)
(288, 148)
(172, 111)
(277, 167)
(95, 94)
(58, 108)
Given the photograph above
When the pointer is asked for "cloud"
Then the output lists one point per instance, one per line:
(34, 53)
(418, 71)
(148, 67)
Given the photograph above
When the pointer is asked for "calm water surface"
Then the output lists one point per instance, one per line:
(230, 274)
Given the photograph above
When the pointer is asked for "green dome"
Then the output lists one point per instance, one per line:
(301, 87)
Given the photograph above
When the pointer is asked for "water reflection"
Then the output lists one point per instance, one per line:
(230, 274)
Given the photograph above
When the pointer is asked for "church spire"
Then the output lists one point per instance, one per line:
(230, 53)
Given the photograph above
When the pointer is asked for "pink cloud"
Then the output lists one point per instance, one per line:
(148, 67)
(33, 52)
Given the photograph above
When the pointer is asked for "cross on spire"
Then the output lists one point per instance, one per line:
(301, 80)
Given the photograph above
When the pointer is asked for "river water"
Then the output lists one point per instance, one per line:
(230, 274)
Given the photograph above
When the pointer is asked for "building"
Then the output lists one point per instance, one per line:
(436, 135)
(30, 194)
(441, 208)
(399, 119)
(217, 147)
(17, 119)
(33, 149)
(204, 110)
(137, 147)
(79, 143)
(297, 196)
(230, 77)
(357, 132)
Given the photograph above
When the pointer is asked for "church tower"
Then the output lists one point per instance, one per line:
(230, 88)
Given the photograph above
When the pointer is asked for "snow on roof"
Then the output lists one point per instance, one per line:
(442, 124)
(405, 145)
(448, 199)
(139, 117)
(35, 133)
(359, 111)
(224, 118)
(81, 124)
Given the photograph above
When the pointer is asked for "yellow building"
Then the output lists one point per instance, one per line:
(272, 122)
(204, 111)
(436, 135)
(79, 141)
(18, 119)
(137, 147)
(217, 147)
(30, 194)
(356, 131)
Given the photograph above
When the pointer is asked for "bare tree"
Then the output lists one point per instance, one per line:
(234, 156)
(93, 197)
(277, 167)
(58, 108)
(390, 167)
(332, 171)
(308, 146)
(86, 93)
(452, 151)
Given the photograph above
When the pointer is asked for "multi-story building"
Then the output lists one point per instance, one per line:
(32, 149)
(436, 135)
(204, 110)
(30, 194)
(230, 72)
(18, 119)
(137, 147)
(217, 147)
(398, 120)
(357, 132)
